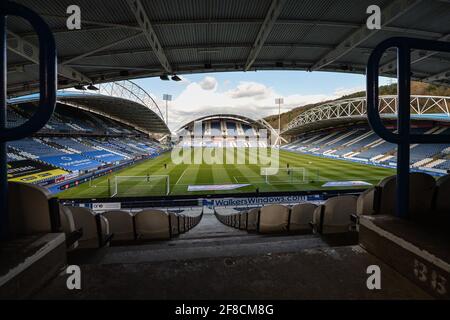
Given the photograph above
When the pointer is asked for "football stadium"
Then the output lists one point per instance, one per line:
(345, 197)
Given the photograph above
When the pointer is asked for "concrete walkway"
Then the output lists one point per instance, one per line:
(210, 227)
(210, 238)
(213, 261)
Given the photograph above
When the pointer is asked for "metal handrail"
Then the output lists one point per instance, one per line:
(47, 97)
(403, 138)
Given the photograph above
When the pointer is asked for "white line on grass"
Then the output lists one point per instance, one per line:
(176, 183)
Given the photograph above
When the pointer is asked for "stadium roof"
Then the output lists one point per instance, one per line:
(240, 118)
(123, 110)
(259, 124)
(354, 111)
(124, 39)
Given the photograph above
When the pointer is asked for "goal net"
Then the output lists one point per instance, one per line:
(295, 175)
(137, 186)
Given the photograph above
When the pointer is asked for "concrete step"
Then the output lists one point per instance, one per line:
(319, 273)
(209, 238)
(196, 249)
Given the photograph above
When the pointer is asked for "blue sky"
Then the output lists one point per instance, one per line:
(248, 93)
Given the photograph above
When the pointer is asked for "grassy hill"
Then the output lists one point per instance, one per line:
(417, 88)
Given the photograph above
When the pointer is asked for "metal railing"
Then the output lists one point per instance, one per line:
(403, 138)
(387, 105)
(47, 98)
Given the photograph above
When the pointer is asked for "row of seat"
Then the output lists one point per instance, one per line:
(428, 196)
(273, 218)
(428, 200)
(150, 224)
(122, 226)
(33, 210)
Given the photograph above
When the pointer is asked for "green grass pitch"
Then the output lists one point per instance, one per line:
(307, 173)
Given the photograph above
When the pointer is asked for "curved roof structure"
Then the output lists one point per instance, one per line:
(353, 111)
(124, 39)
(258, 124)
(240, 118)
(132, 113)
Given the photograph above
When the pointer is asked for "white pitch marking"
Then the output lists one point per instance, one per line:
(176, 183)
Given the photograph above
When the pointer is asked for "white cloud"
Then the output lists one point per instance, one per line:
(250, 89)
(208, 83)
(251, 99)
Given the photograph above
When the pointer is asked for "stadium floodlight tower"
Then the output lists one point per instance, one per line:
(167, 98)
(279, 101)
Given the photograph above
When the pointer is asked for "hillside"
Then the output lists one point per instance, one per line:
(417, 88)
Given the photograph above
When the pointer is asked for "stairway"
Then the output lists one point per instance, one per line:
(213, 261)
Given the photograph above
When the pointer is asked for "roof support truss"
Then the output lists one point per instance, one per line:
(416, 56)
(104, 47)
(144, 22)
(394, 10)
(358, 107)
(266, 27)
(438, 76)
(92, 25)
(30, 52)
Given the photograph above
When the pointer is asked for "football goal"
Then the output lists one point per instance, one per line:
(138, 186)
(295, 175)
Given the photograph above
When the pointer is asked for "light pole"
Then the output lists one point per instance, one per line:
(279, 101)
(167, 98)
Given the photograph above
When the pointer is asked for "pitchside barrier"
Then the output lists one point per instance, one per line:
(213, 200)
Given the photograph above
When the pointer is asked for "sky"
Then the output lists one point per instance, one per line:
(250, 94)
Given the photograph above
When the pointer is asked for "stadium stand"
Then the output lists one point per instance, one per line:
(334, 216)
(74, 143)
(150, 224)
(360, 144)
(396, 240)
(226, 130)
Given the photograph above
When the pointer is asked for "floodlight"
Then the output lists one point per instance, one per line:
(92, 87)
(79, 87)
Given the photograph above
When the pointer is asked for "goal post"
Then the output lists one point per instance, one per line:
(293, 175)
(135, 186)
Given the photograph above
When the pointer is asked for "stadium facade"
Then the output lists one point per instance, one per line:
(227, 130)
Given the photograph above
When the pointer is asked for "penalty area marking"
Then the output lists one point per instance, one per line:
(176, 183)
